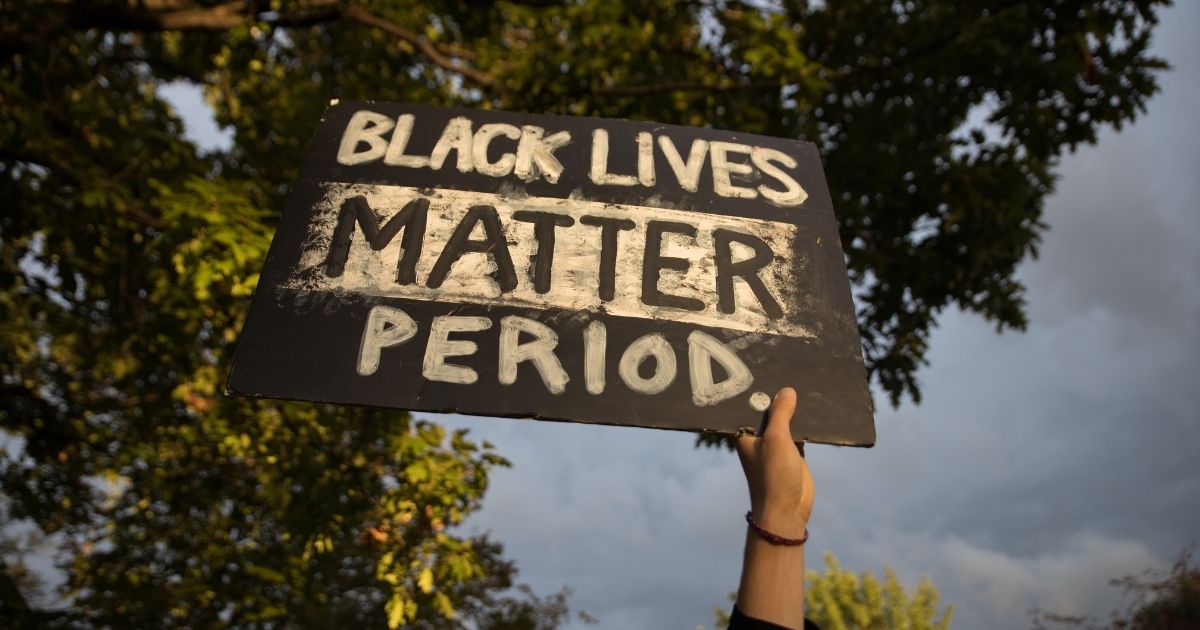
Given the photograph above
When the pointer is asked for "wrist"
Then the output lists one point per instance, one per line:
(772, 537)
(787, 522)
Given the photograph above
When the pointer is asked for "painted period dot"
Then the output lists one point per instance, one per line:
(760, 401)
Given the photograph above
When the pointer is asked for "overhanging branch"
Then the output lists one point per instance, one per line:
(145, 18)
(183, 15)
(360, 15)
(658, 88)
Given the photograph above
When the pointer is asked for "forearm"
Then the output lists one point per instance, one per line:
(772, 583)
(781, 499)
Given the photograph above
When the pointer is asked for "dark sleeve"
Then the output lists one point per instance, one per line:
(739, 621)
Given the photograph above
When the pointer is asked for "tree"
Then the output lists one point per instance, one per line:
(126, 256)
(125, 268)
(839, 599)
(1161, 600)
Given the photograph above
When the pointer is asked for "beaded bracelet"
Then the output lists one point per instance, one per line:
(775, 539)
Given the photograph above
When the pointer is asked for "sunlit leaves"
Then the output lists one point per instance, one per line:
(839, 599)
(126, 269)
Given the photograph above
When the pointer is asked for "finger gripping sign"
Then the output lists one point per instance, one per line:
(565, 268)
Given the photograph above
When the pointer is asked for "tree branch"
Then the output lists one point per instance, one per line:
(658, 88)
(182, 15)
(360, 15)
(221, 17)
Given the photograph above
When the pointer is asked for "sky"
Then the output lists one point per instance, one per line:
(1038, 466)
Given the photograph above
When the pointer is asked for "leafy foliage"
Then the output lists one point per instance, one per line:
(126, 266)
(839, 599)
(126, 256)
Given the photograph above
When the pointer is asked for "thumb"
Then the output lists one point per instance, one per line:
(779, 416)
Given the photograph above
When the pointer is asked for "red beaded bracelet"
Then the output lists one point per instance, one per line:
(775, 539)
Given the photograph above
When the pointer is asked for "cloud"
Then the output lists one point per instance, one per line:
(995, 588)
(645, 528)
(992, 589)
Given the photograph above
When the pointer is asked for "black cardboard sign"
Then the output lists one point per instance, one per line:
(566, 268)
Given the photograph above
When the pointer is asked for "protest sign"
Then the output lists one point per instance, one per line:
(567, 268)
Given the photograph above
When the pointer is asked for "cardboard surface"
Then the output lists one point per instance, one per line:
(565, 268)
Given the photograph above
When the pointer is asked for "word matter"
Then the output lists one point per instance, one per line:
(484, 248)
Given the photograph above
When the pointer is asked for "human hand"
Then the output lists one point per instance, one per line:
(781, 489)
